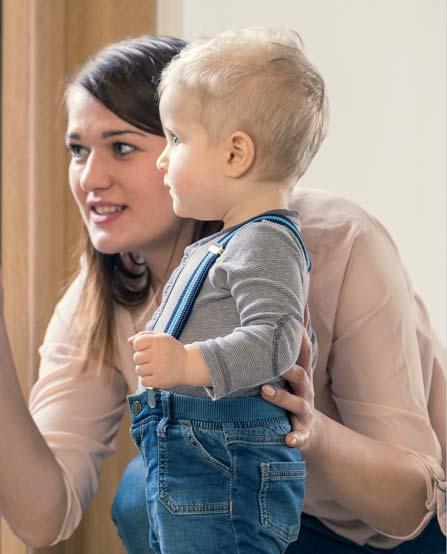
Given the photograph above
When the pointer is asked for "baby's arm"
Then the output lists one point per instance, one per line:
(264, 269)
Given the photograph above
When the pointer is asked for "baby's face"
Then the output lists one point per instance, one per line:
(193, 164)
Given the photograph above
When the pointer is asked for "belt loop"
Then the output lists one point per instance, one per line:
(166, 398)
(131, 414)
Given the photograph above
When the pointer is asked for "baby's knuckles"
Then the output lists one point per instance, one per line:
(142, 341)
(167, 357)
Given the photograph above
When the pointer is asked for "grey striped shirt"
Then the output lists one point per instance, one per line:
(248, 317)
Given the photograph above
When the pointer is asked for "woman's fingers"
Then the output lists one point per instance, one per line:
(299, 435)
(306, 318)
(305, 356)
(284, 399)
(301, 414)
(300, 382)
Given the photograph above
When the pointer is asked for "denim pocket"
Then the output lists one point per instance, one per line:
(193, 470)
(281, 497)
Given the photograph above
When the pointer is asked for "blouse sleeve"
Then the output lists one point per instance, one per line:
(78, 413)
(375, 366)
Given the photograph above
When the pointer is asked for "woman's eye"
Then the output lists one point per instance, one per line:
(122, 149)
(175, 140)
(77, 151)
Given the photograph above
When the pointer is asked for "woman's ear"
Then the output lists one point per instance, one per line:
(239, 154)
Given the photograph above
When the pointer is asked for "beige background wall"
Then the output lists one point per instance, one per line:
(384, 62)
(44, 41)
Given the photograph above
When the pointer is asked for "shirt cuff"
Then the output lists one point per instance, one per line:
(73, 514)
(435, 504)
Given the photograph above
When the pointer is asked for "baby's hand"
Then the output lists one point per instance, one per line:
(160, 360)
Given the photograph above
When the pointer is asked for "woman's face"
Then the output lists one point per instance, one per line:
(114, 180)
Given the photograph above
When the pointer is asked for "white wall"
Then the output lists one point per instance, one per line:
(384, 65)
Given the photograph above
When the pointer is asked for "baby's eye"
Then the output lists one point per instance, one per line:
(122, 148)
(77, 151)
(172, 139)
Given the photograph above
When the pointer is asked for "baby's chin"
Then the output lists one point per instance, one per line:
(198, 214)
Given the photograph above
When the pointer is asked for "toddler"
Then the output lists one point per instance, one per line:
(244, 113)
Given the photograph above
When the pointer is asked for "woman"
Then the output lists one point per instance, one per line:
(369, 443)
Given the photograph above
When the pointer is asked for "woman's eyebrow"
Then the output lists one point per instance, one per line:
(108, 134)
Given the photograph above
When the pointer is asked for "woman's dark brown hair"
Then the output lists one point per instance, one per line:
(123, 77)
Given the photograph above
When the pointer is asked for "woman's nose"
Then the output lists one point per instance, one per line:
(95, 174)
(163, 160)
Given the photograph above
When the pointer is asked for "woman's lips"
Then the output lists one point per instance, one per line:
(103, 214)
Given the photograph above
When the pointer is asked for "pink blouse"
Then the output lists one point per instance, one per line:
(381, 370)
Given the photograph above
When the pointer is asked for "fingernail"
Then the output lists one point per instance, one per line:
(294, 440)
(268, 390)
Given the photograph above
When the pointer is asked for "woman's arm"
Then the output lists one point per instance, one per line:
(378, 482)
(29, 473)
(52, 452)
(377, 462)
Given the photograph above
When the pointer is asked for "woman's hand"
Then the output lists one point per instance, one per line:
(374, 480)
(299, 402)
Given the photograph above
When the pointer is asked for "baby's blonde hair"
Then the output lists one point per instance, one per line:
(259, 81)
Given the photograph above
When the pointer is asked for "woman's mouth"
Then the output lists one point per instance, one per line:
(105, 214)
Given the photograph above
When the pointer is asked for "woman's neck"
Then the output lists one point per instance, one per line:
(163, 258)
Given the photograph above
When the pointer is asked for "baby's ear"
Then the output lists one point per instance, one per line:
(240, 154)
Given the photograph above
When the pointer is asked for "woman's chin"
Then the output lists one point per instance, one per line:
(107, 246)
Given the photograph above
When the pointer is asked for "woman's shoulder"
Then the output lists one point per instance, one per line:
(331, 224)
(326, 210)
(65, 329)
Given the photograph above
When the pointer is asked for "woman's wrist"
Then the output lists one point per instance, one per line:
(376, 481)
(311, 447)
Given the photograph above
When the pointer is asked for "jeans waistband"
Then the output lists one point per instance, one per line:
(246, 409)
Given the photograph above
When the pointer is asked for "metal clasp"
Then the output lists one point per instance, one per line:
(216, 249)
(150, 397)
